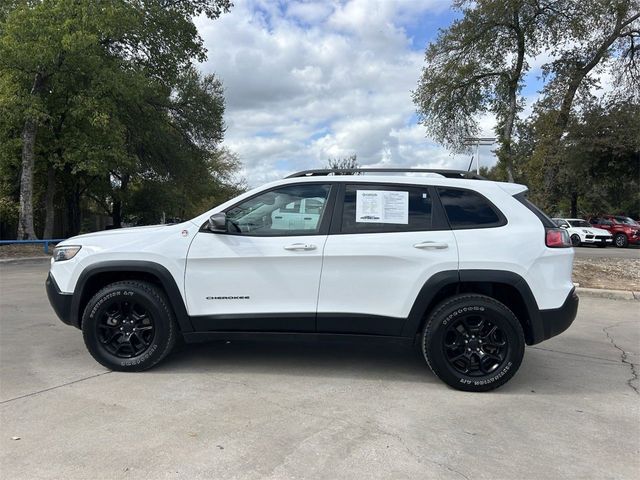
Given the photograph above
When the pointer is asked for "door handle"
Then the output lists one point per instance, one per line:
(432, 245)
(300, 246)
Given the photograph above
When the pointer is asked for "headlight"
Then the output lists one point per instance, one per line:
(585, 231)
(65, 253)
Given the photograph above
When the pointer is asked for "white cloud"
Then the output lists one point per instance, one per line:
(313, 79)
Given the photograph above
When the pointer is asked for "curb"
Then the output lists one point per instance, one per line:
(610, 294)
(4, 261)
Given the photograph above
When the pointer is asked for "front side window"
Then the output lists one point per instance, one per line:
(279, 212)
(468, 209)
(385, 208)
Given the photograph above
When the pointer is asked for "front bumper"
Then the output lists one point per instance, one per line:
(555, 321)
(597, 239)
(61, 302)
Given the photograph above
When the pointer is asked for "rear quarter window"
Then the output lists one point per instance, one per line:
(469, 209)
(546, 221)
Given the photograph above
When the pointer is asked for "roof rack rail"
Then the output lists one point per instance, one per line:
(350, 171)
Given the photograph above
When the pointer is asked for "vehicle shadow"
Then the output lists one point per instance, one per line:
(311, 359)
(540, 371)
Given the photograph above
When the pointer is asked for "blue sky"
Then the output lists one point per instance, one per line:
(309, 80)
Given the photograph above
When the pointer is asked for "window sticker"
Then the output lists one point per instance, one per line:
(382, 206)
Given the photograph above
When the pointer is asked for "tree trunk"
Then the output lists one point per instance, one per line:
(574, 205)
(507, 152)
(116, 214)
(510, 117)
(49, 202)
(72, 198)
(117, 202)
(29, 131)
(25, 221)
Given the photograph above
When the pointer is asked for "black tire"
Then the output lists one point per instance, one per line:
(575, 240)
(496, 364)
(620, 240)
(128, 326)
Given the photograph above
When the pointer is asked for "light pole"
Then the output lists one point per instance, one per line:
(478, 141)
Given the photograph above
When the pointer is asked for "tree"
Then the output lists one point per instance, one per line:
(68, 43)
(477, 65)
(344, 163)
(602, 32)
(66, 66)
(601, 167)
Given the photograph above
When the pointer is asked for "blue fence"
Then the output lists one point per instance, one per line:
(45, 243)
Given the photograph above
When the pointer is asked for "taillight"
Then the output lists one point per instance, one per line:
(557, 238)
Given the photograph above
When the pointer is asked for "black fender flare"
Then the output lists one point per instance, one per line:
(453, 277)
(121, 266)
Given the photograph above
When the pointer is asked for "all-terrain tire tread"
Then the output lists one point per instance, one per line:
(444, 305)
(161, 302)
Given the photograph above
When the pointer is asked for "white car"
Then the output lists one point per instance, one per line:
(466, 269)
(580, 231)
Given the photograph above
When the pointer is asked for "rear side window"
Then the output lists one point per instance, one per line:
(469, 209)
(385, 208)
(546, 221)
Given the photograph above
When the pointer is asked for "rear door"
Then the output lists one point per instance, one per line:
(386, 241)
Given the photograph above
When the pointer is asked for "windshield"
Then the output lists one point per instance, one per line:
(560, 223)
(579, 223)
(625, 220)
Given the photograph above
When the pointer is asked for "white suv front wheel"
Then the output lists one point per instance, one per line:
(473, 342)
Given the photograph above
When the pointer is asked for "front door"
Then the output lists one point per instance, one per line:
(263, 274)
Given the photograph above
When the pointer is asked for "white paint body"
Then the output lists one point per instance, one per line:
(372, 273)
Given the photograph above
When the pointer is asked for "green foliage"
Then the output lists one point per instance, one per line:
(602, 158)
(570, 157)
(477, 66)
(118, 105)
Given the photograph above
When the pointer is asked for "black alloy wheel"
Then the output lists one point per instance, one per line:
(474, 346)
(129, 326)
(473, 342)
(125, 328)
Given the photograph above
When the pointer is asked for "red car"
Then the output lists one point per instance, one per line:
(625, 230)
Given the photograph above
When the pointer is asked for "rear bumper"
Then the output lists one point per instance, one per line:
(61, 302)
(555, 321)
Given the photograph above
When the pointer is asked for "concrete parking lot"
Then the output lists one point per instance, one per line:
(280, 411)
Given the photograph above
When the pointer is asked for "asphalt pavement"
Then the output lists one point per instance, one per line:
(287, 411)
(590, 251)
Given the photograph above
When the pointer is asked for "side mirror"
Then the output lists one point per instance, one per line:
(218, 222)
(563, 226)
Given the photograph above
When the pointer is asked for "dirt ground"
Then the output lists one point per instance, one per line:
(610, 273)
(17, 251)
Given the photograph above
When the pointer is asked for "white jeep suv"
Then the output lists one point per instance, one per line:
(467, 269)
